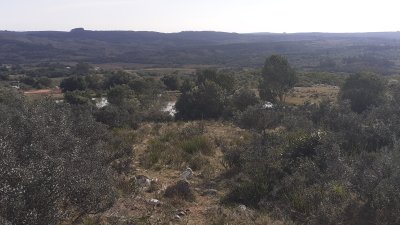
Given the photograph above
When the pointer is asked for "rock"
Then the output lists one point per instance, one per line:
(187, 174)
(210, 192)
(143, 181)
(155, 202)
(181, 213)
(242, 207)
(176, 217)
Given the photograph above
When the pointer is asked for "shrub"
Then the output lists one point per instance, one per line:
(180, 190)
(197, 144)
(363, 90)
(54, 162)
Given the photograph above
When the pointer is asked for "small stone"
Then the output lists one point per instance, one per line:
(181, 213)
(176, 217)
(143, 181)
(155, 202)
(242, 207)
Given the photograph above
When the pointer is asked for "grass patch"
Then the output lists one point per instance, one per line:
(197, 144)
(179, 148)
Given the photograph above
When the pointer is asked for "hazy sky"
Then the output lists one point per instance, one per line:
(220, 15)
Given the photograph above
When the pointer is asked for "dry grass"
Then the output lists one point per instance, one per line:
(136, 207)
(314, 94)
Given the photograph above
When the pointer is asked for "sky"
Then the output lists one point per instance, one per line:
(241, 16)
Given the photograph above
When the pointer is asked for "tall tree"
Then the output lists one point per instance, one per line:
(278, 78)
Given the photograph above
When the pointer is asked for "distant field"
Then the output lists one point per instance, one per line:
(313, 94)
(165, 71)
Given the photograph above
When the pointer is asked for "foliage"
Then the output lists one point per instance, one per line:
(118, 95)
(244, 98)
(208, 98)
(336, 166)
(278, 79)
(54, 162)
(259, 119)
(123, 116)
(117, 78)
(73, 83)
(81, 69)
(35, 82)
(223, 79)
(94, 82)
(363, 90)
(202, 102)
(77, 97)
(172, 83)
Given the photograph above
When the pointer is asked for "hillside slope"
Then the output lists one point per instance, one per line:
(305, 50)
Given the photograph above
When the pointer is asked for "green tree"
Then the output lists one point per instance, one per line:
(244, 98)
(278, 78)
(77, 97)
(223, 79)
(118, 78)
(172, 83)
(363, 90)
(94, 82)
(73, 83)
(204, 101)
(82, 69)
(43, 82)
(118, 94)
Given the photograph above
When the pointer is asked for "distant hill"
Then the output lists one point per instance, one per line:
(341, 52)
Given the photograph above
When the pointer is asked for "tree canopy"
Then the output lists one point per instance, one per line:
(278, 78)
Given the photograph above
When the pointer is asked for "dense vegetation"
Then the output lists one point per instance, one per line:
(326, 161)
(57, 164)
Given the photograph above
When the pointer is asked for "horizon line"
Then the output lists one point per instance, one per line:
(216, 31)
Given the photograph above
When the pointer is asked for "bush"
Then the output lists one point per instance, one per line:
(363, 90)
(54, 162)
(73, 83)
(180, 190)
(244, 98)
(202, 102)
(77, 98)
(208, 98)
